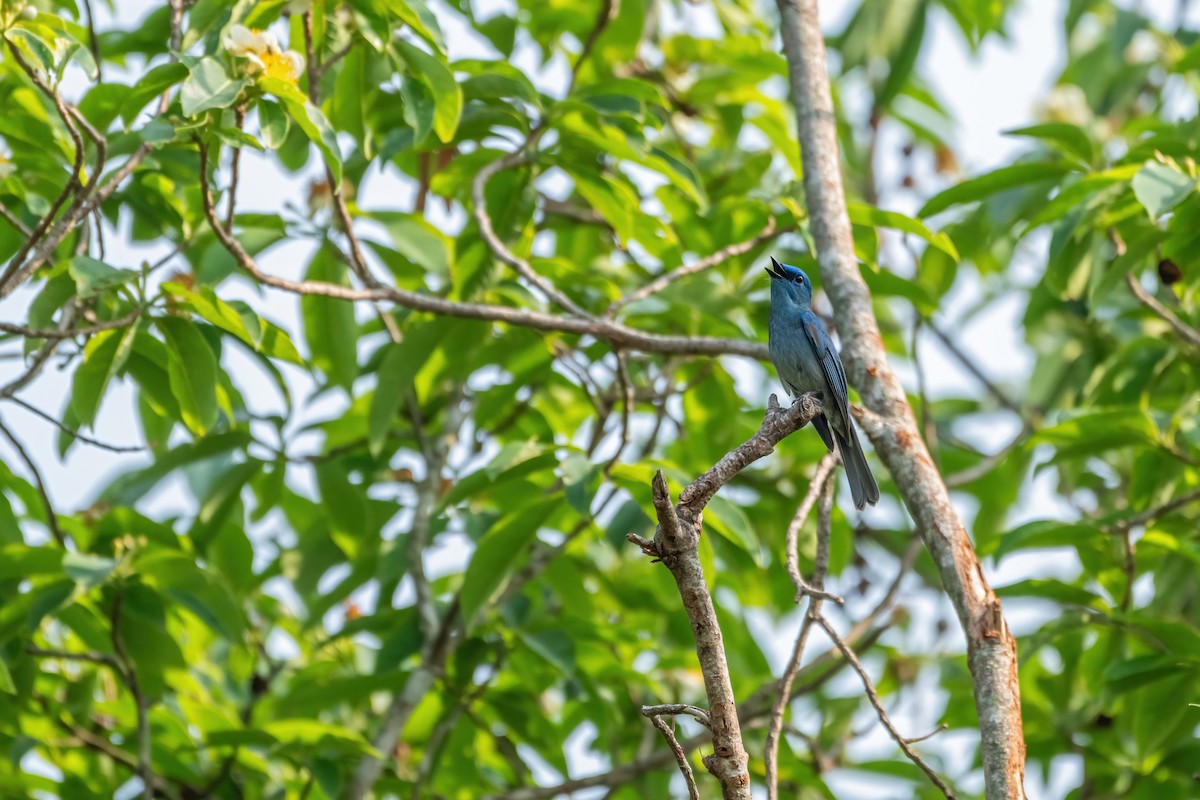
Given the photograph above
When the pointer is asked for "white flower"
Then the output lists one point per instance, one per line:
(248, 43)
(296, 60)
(6, 168)
(1142, 47)
(1065, 103)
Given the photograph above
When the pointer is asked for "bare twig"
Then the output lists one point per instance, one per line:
(676, 545)
(15, 221)
(334, 57)
(873, 696)
(706, 263)
(499, 248)
(972, 367)
(91, 656)
(1181, 328)
(70, 333)
(608, 11)
(93, 40)
(930, 735)
(614, 333)
(1151, 514)
(627, 402)
(680, 757)
(10, 276)
(822, 486)
(778, 423)
(791, 548)
(51, 517)
(977, 471)
(991, 648)
(42, 356)
(112, 448)
(675, 709)
(112, 752)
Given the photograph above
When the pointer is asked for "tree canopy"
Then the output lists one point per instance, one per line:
(371, 538)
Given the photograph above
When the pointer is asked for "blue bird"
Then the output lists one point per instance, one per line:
(806, 361)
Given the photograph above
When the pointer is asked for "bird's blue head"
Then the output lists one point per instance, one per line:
(789, 285)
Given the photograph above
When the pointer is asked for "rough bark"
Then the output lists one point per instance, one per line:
(991, 649)
(676, 544)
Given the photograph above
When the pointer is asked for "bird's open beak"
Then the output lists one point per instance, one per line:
(778, 273)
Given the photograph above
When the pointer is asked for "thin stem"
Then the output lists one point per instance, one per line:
(708, 262)
(680, 757)
(1181, 328)
(821, 485)
(873, 696)
(112, 448)
(51, 516)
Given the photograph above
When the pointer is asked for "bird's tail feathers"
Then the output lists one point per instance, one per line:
(863, 488)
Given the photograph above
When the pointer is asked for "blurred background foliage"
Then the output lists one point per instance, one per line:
(249, 641)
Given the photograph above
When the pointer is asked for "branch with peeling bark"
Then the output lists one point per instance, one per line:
(676, 545)
(991, 648)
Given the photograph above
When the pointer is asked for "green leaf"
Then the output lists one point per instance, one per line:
(329, 324)
(417, 16)
(131, 487)
(435, 74)
(238, 320)
(902, 63)
(6, 681)
(1160, 188)
(418, 241)
(309, 119)
(319, 736)
(92, 277)
(103, 358)
(975, 189)
(192, 370)
(395, 377)
(273, 124)
(1045, 533)
(149, 86)
(1124, 676)
(731, 522)
(497, 554)
(870, 216)
(1049, 589)
(1070, 139)
(208, 86)
(87, 570)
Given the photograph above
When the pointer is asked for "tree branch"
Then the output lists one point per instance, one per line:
(680, 757)
(112, 448)
(676, 544)
(70, 333)
(873, 696)
(1181, 328)
(51, 517)
(706, 263)
(991, 649)
(611, 332)
(972, 367)
(822, 486)
(498, 248)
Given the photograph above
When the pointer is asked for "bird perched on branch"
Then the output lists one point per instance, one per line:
(806, 361)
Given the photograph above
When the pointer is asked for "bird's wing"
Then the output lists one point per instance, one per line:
(837, 399)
